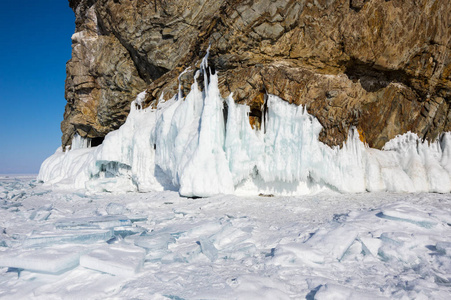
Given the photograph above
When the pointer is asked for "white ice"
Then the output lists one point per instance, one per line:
(117, 259)
(53, 260)
(47, 238)
(324, 246)
(100, 222)
(190, 145)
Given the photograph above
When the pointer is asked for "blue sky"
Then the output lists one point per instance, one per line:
(35, 45)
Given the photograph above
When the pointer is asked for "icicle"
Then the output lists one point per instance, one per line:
(79, 142)
(188, 146)
(179, 94)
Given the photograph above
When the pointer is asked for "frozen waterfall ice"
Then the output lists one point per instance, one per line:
(190, 145)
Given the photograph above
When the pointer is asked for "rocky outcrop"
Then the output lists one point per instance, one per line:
(101, 81)
(381, 66)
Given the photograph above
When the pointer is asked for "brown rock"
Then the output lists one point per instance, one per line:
(381, 66)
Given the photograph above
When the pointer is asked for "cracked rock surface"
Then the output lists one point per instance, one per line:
(381, 66)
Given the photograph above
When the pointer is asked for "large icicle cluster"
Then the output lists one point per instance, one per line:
(187, 144)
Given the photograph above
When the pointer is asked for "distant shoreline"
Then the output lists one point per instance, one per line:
(18, 175)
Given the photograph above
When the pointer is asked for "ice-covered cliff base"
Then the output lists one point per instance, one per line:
(196, 146)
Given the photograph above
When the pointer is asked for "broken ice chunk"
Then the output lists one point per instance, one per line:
(229, 236)
(335, 291)
(188, 252)
(124, 231)
(40, 215)
(156, 244)
(9, 204)
(137, 218)
(238, 251)
(393, 238)
(208, 249)
(172, 257)
(294, 252)
(409, 215)
(370, 245)
(334, 242)
(401, 247)
(249, 286)
(154, 241)
(64, 237)
(53, 260)
(115, 259)
(444, 247)
(94, 222)
(115, 209)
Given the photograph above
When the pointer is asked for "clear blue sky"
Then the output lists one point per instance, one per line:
(35, 45)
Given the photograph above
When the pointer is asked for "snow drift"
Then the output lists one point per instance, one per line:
(190, 145)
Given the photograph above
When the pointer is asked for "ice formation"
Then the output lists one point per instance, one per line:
(117, 259)
(48, 260)
(188, 144)
(323, 246)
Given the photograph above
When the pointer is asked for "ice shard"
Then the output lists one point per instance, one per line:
(64, 237)
(115, 259)
(54, 260)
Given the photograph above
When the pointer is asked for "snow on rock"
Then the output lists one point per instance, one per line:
(189, 145)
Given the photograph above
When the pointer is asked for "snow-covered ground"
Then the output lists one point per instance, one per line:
(158, 245)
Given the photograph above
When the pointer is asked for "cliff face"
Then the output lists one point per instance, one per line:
(382, 66)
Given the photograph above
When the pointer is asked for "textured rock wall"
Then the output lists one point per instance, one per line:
(382, 66)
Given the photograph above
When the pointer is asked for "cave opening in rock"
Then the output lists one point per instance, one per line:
(255, 118)
(97, 141)
(373, 78)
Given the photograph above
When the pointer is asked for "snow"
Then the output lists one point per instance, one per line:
(100, 222)
(193, 146)
(47, 260)
(80, 231)
(116, 259)
(49, 238)
(159, 245)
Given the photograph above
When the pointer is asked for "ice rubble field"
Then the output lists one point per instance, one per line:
(158, 245)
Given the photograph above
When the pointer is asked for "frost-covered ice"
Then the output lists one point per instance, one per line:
(47, 260)
(117, 259)
(195, 146)
(323, 246)
(49, 238)
(101, 222)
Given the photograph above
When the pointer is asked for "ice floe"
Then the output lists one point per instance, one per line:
(159, 245)
(117, 259)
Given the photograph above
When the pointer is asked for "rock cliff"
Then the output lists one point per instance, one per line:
(381, 66)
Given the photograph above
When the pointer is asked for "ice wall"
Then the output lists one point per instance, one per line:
(188, 144)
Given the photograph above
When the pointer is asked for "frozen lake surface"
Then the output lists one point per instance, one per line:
(158, 245)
